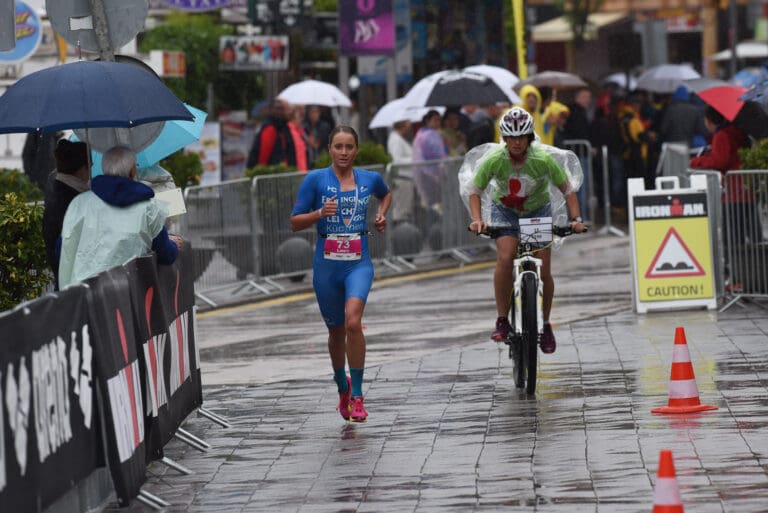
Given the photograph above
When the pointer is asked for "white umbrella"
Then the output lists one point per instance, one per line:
(620, 79)
(397, 110)
(665, 78)
(504, 78)
(553, 79)
(314, 92)
(744, 50)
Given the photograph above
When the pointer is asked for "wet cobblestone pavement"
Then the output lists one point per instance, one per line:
(448, 432)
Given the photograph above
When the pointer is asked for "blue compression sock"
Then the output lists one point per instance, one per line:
(357, 381)
(340, 377)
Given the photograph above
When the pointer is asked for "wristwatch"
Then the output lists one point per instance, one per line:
(577, 219)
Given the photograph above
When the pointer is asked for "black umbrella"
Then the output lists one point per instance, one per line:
(87, 94)
(454, 89)
(753, 119)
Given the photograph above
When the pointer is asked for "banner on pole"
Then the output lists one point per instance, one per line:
(366, 27)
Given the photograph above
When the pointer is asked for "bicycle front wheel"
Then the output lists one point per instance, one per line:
(529, 295)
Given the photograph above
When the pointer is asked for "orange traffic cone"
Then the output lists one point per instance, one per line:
(683, 392)
(666, 495)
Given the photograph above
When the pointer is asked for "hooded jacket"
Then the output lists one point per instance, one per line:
(114, 222)
(549, 121)
(538, 120)
(682, 121)
(723, 156)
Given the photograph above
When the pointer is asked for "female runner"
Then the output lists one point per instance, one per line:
(336, 200)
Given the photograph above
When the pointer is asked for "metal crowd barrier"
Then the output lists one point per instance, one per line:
(587, 198)
(673, 161)
(423, 230)
(241, 239)
(746, 234)
(242, 243)
(217, 225)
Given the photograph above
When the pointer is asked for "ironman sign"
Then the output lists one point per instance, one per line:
(672, 249)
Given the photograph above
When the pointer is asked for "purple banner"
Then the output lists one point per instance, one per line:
(366, 27)
(197, 5)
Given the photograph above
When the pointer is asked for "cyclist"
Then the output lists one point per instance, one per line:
(523, 173)
(336, 199)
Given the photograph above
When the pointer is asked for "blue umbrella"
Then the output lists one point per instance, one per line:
(258, 110)
(174, 136)
(87, 94)
(750, 76)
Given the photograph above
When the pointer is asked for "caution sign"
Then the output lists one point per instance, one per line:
(674, 259)
(672, 252)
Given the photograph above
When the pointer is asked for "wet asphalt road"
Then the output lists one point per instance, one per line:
(447, 429)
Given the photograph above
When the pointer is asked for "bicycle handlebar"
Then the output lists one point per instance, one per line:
(560, 231)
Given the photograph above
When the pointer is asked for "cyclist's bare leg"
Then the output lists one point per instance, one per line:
(354, 328)
(547, 281)
(503, 279)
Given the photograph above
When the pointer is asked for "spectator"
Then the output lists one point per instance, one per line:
(114, 222)
(637, 139)
(398, 146)
(576, 128)
(727, 139)
(554, 117)
(723, 155)
(533, 104)
(298, 136)
(682, 121)
(404, 191)
(37, 157)
(317, 129)
(273, 143)
(428, 145)
(484, 129)
(467, 115)
(69, 180)
(604, 131)
(454, 139)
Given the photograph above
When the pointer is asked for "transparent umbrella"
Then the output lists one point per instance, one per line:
(665, 78)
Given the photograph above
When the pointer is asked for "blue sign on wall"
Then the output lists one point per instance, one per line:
(28, 35)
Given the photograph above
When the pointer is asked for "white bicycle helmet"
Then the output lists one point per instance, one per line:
(516, 122)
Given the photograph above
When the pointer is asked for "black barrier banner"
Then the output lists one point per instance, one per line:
(49, 431)
(119, 378)
(176, 290)
(165, 326)
(149, 325)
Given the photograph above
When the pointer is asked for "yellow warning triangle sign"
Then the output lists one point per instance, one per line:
(674, 259)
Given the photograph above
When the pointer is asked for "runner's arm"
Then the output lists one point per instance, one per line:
(381, 213)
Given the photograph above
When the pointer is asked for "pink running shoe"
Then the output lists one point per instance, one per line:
(344, 398)
(357, 411)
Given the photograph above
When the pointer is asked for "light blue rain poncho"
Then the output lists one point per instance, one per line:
(114, 222)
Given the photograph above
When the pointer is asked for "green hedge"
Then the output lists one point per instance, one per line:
(13, 180)
(24, 272)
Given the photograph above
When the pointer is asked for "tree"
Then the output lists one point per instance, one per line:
(577, 13)
(198, 36)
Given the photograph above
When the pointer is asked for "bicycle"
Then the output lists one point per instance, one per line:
(526, 312)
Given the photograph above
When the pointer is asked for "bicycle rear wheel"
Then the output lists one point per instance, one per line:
(530, 347)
